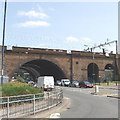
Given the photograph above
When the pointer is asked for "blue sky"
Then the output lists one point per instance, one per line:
(60, 25)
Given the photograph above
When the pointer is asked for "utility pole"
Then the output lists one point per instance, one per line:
(3, 39)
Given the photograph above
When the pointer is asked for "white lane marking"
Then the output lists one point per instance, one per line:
(55, 115)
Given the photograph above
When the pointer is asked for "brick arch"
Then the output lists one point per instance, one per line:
(109, 72)
(93, 72)
(52, 60)
(44, 67)
(109, 66)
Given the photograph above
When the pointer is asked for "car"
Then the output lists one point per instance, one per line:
(31, 83)
(58, 82)
(85, 84)
(74, 84)
(65, 82)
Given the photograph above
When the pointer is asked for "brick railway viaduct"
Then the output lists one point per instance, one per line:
(77, 65)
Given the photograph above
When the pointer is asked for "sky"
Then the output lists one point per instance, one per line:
(60, 25)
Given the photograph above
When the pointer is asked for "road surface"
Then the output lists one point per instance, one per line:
(85, 105)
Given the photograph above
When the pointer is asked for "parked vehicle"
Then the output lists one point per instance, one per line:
(58, 82)
(65, 82)
(85, 84)
(32, 83)
(46, 82)
(74, 84)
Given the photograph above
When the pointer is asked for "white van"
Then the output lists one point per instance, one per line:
(65, 82)
(46, 82)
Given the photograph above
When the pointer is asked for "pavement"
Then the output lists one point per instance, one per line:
(114, 87)
(108, 94)
(53, 112)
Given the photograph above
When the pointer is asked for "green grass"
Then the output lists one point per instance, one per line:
(107, 83)
(19, 88)
(116, 81)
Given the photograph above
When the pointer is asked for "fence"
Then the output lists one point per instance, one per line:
(24, 105)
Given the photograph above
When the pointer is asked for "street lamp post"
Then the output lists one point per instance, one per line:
(4, 23)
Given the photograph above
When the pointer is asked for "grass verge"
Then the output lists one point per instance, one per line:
(18, 88)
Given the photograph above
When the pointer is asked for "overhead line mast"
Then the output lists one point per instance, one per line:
(101, 45)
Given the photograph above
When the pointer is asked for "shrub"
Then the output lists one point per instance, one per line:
(19, 88)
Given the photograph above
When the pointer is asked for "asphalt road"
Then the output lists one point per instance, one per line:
(85, 105)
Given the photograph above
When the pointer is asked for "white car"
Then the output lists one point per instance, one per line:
(65, 82)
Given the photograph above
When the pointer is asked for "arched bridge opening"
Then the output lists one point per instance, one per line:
(33, 69)
(109, 72)
(93, 72)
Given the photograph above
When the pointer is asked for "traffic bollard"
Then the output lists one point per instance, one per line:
(96, 88)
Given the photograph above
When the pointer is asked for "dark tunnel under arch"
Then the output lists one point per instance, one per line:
(109, 71)
(93, 72)
(41, 67)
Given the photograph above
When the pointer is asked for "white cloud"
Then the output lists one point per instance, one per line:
(34, 14)
(33, 24)
(72, 39)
